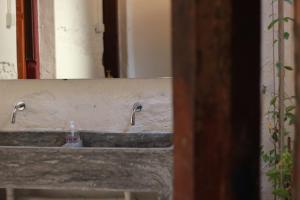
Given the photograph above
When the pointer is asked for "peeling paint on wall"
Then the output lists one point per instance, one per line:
(8, 70)
(8, 47)
(78, 48)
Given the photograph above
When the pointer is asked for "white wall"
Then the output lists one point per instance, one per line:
(149, 38)
(47, 47)
(8, 43)
(100, 105)
(79, 39)
(70, 47)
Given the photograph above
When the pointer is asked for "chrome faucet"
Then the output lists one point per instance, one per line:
(20, 106)
(137, 107)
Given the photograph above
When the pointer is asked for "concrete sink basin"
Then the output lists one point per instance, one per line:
(90, 139)
(133, 162)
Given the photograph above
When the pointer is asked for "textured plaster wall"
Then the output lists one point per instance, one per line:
(47, 39)
(71, 39)
(79, 39)
(268, 85)
(8, 42)
(102, 105)
(149, 38)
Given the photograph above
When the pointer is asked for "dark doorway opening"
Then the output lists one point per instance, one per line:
(111, 38)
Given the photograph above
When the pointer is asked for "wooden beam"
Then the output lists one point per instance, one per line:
(296, 186)
(184, 65)
(216, 58)
(27, 39)
(32, 40)
(21, 39)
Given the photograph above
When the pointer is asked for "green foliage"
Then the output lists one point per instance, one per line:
(289, 68)
(279, 65)
(271, 25)
(275, 21)
(286, 35)
(276, 164)
(275, 161)
(280, 164)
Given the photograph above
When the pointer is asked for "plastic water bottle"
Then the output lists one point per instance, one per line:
(73, 139)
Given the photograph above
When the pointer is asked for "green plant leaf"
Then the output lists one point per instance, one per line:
(289, 68)
(273, 101)
(273, 174)
(281, 192)
(271, 25)
(291, 118)
(278, 65)
(286, 35)
(266, 158)
(290, 108)
(275, 137)
(287, 19)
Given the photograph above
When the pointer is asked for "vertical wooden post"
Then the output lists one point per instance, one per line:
(216, 59)
(27, 39)
(21, 40)
(297, 136)
(281, 91)
(33, 64)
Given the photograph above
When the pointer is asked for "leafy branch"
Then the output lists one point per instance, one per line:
(279, 159)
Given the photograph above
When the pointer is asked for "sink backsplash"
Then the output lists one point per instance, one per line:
(99, 105)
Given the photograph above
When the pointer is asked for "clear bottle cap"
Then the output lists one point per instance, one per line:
(72, 124)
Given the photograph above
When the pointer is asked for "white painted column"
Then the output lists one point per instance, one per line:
(79, 39)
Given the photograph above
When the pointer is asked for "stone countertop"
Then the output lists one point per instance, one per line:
(137, 162)
(89, 138)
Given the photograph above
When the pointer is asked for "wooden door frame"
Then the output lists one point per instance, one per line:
(27, 39)
(111, 54)
(21, 60)
(123, 45)
(216, 66)
(122, 38)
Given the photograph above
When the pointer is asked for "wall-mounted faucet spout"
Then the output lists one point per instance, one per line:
(20, 106)
(137, 107)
